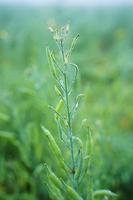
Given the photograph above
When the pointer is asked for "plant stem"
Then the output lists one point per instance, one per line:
(70, 130)
(69, 118)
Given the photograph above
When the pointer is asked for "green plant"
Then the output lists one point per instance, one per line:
(74, 158)
(105, 79)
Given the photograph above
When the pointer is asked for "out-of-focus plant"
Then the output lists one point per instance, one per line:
(74, 159)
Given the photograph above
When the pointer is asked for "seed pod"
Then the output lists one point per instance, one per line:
(79, 166)
(73, 195)
(90, 142)
(51, 63)
(52, 142)
(104, 193)
(59, 108)
(72, 45)
(53, 178)
(85, 168)
(90, 151)
(54, 184)
(79, 162)
(57, 91)
(54, 192)
(87, 159)
(54, 147)
(59, 105)
(79, 141)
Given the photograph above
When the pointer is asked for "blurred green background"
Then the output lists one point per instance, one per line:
(104, 55)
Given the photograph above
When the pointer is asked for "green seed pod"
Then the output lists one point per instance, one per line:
(79, 141)
(59, 105)
(79, 167)
(85, 168)
(86, 161)
(90, 172)
(54, 192)
(73, 195)
(54, 147)
(59, 108)
(90, 143)
(53, 70)
(53, 178)
(104, 193)
(72, 45)
(50, 62)
(52, 142)
(57, 91)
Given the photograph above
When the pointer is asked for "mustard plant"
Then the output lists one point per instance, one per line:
(74, 158)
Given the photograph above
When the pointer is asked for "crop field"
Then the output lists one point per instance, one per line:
(104, 55)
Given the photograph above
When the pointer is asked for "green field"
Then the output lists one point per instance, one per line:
(104, 55)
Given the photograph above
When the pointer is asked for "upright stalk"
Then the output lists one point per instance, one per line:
(70, 135)
(70, 130)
